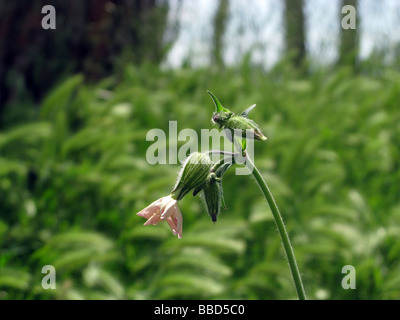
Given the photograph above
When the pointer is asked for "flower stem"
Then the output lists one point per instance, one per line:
(225, 153)
(281, 228)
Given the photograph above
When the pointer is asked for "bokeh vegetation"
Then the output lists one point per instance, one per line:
(73, 175)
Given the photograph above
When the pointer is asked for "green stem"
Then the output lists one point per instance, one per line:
(281, 228)
(225, 153)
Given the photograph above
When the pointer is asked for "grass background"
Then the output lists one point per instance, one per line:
(73, 175)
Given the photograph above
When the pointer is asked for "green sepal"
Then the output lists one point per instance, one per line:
(220, 169)
(198, 189)
(218, 105)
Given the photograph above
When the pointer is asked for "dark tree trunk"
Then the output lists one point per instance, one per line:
(349, 39)
(89, 38)
(220, 20)
(294, 35)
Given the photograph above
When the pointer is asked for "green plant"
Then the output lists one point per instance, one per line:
(75, 173)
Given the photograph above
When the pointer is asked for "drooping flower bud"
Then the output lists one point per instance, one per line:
(212, 188)
(213, 196)
(194, 173)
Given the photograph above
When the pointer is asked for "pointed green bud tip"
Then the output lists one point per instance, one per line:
(212, 191)
(193, 174)
(218, 105)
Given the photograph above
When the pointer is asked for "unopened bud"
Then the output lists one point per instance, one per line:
(193, 174)
(213, 195)
(242, 124)
(236, 123)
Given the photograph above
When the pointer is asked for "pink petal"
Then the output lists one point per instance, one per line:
(169, 210)
(175, 222)
(150, 210)
(179, 224)
(179, 218)
(172, 225)
(155, 219)
(166, 200)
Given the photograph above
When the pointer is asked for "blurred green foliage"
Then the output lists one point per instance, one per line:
(74, 175)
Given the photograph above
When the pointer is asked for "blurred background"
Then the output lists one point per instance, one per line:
(76, 103)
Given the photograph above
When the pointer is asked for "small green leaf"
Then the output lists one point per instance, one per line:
(246, 112)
